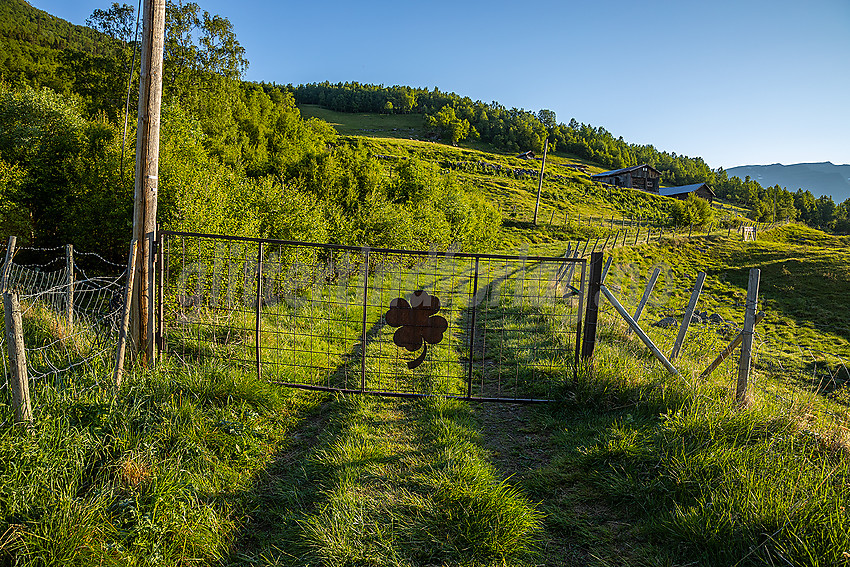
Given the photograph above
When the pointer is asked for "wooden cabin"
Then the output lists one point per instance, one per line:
(701, 190)
(643, 177)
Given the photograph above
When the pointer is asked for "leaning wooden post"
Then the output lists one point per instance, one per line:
(747, 333)
(728, 350)
(69, 287)
(689, 312)
(606, 268)
(591, 318)
(17, 359)
(125, 316)
(650, 284)
(643, 336)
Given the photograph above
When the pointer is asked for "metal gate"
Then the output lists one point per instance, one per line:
(380, 321)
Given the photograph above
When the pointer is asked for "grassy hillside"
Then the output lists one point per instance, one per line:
(204, 464)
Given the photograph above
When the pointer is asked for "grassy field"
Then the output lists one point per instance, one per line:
(203, 464)
(404, 126)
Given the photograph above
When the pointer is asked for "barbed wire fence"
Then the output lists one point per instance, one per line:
(73, 349)
(797, 376)
(70, 302)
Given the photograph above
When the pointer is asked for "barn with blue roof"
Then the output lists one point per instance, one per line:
(702, 190)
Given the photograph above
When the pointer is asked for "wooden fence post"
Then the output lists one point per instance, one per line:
(69, 287)
(747, 333)
(17, 359)
(591, 317)
(689, 312)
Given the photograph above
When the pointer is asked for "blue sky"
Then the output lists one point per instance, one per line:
(734, 81)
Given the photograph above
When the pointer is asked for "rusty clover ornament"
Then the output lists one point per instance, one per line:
(418, 323)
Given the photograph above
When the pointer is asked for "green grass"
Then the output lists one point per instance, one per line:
(402, 126)
(639, 469)
(203, 464)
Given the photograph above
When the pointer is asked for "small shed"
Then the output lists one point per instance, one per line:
(701, 190)
(643, 177)
(526, 155)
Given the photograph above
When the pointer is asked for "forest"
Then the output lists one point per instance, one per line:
(275, 175)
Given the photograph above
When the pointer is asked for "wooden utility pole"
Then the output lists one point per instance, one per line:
(540, 183)
(147, 167)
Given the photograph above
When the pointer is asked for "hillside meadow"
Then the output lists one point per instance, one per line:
(207, 463)
(204, 464)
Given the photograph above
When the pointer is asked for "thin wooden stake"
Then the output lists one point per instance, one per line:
(689, 312)
(7, 264)
(118, 376)
(607, 267)
(69, 287)
(747, 339)
(540, 183)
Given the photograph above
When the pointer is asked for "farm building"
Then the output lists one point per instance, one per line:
(699, 189)
(643, 177)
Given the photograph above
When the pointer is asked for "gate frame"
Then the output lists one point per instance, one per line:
(158, 276)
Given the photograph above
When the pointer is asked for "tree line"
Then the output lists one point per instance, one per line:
(455, 118)
(235, 158)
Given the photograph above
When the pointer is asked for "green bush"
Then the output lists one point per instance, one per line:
(691, 211)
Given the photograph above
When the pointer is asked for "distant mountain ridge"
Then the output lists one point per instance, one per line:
(824, 178)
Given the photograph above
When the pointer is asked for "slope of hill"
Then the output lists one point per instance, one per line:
(823, 178)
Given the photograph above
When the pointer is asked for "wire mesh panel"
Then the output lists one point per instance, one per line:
(373, 320)
(70, 313)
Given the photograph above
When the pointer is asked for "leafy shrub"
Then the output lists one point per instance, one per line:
(692, 210)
